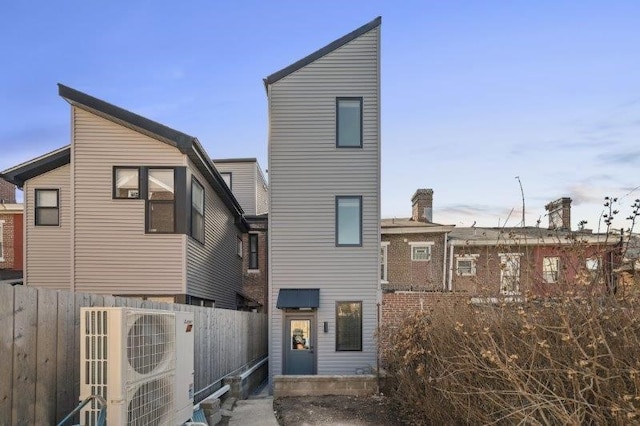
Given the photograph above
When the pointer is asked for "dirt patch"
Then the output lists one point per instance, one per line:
(335, 410)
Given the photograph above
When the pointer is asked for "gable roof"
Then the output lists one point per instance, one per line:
(278, 75)
(17, 175)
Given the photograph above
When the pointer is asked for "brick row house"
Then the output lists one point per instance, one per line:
(11, 231)
(423, 263)
(133, 208)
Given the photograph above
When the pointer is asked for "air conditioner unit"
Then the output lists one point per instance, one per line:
(140, 361)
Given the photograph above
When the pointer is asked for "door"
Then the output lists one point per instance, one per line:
(299, 344)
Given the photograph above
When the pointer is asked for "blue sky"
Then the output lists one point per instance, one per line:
(473, 93)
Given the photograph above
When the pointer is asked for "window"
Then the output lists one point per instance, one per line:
(253, 251)
(161, 201)
(384, 248)
(510, 273)
(348, 221)
(349, 122)
(197, 210)
(226, 176)
(550, 267)
(47, 207)
(239, 247)
(348, 326)
(421, 251)
(593, 268)
(126, 182)
(1, 240)
(466, 265)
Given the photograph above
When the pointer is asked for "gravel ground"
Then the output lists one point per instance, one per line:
(334, 410)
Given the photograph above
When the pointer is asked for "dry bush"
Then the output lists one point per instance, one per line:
(561, 361)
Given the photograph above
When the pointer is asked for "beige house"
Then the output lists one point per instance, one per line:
(130, 207)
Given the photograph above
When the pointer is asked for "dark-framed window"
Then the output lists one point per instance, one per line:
(47, 207)
(253, 251)
(239, 247)
(348, 326)
(349, 122)
(197, 210)
(161, 206)
(349, 220)
(228, 178)
(126, 182)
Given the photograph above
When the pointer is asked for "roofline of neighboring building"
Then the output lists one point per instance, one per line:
(416, 229)
(278, 75)
(11, 208)
(17, 175)
(532, 241)
(235, 160)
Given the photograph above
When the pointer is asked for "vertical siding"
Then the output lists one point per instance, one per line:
(112, 252)
(214, 270)
(243, 186)
(306, 172)
(48, 248)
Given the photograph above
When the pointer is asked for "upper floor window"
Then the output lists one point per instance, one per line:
(47, 207)
(226, 176)
(466, 265)
(550, 268)
(253, 251)
(384, 249)
(348, 221)
(239, 247)
(349, 122)
(197, 210)
(126, 182)
(348, 326)
(161, 201)
(421, 251)
(510, 273)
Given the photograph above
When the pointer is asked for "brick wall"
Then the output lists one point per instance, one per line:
(8, 240)
(405, 274)
(254, 283)
(7, 192)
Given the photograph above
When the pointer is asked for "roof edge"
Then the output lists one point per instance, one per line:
(278, 75)
(17, 175)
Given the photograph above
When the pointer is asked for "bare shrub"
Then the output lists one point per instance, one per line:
(563, 361)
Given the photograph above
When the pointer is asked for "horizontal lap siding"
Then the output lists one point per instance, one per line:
(243, 183)
(306, 172)
(48, 248)
(113, 254)
(214, 270)
(262, 194)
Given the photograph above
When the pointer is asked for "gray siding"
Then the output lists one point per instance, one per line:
(243, 186)
(262, 192)
(306, 172)
(113, 254)
(48, 248)
(214, 270)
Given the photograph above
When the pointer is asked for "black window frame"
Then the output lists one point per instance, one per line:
(253, 263)
(338, 303)
(36, 207)
(114, 190)
(149, 202)
(230, 179)
(351, 98)
(194, 211)
(337, 201)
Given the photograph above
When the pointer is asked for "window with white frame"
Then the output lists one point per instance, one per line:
(421, 251)
(550, 268)
(466, 265)
(510, 273)
(239, 248)
(384, 248)
(1, 241)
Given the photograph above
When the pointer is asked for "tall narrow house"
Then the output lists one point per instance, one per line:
(324, 216)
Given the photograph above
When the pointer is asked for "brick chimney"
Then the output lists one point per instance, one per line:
(7, 192)
(559, 212)
(422, 202)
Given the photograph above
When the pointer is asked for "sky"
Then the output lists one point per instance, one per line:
(474, 93)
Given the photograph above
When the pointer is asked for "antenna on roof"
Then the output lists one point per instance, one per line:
(522, 193)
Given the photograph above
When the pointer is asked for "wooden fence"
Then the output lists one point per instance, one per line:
(40, 348)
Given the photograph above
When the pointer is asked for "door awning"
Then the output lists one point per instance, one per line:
(298, 298)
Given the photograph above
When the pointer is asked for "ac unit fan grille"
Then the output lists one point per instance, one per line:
(150, 342)
(151, 403)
